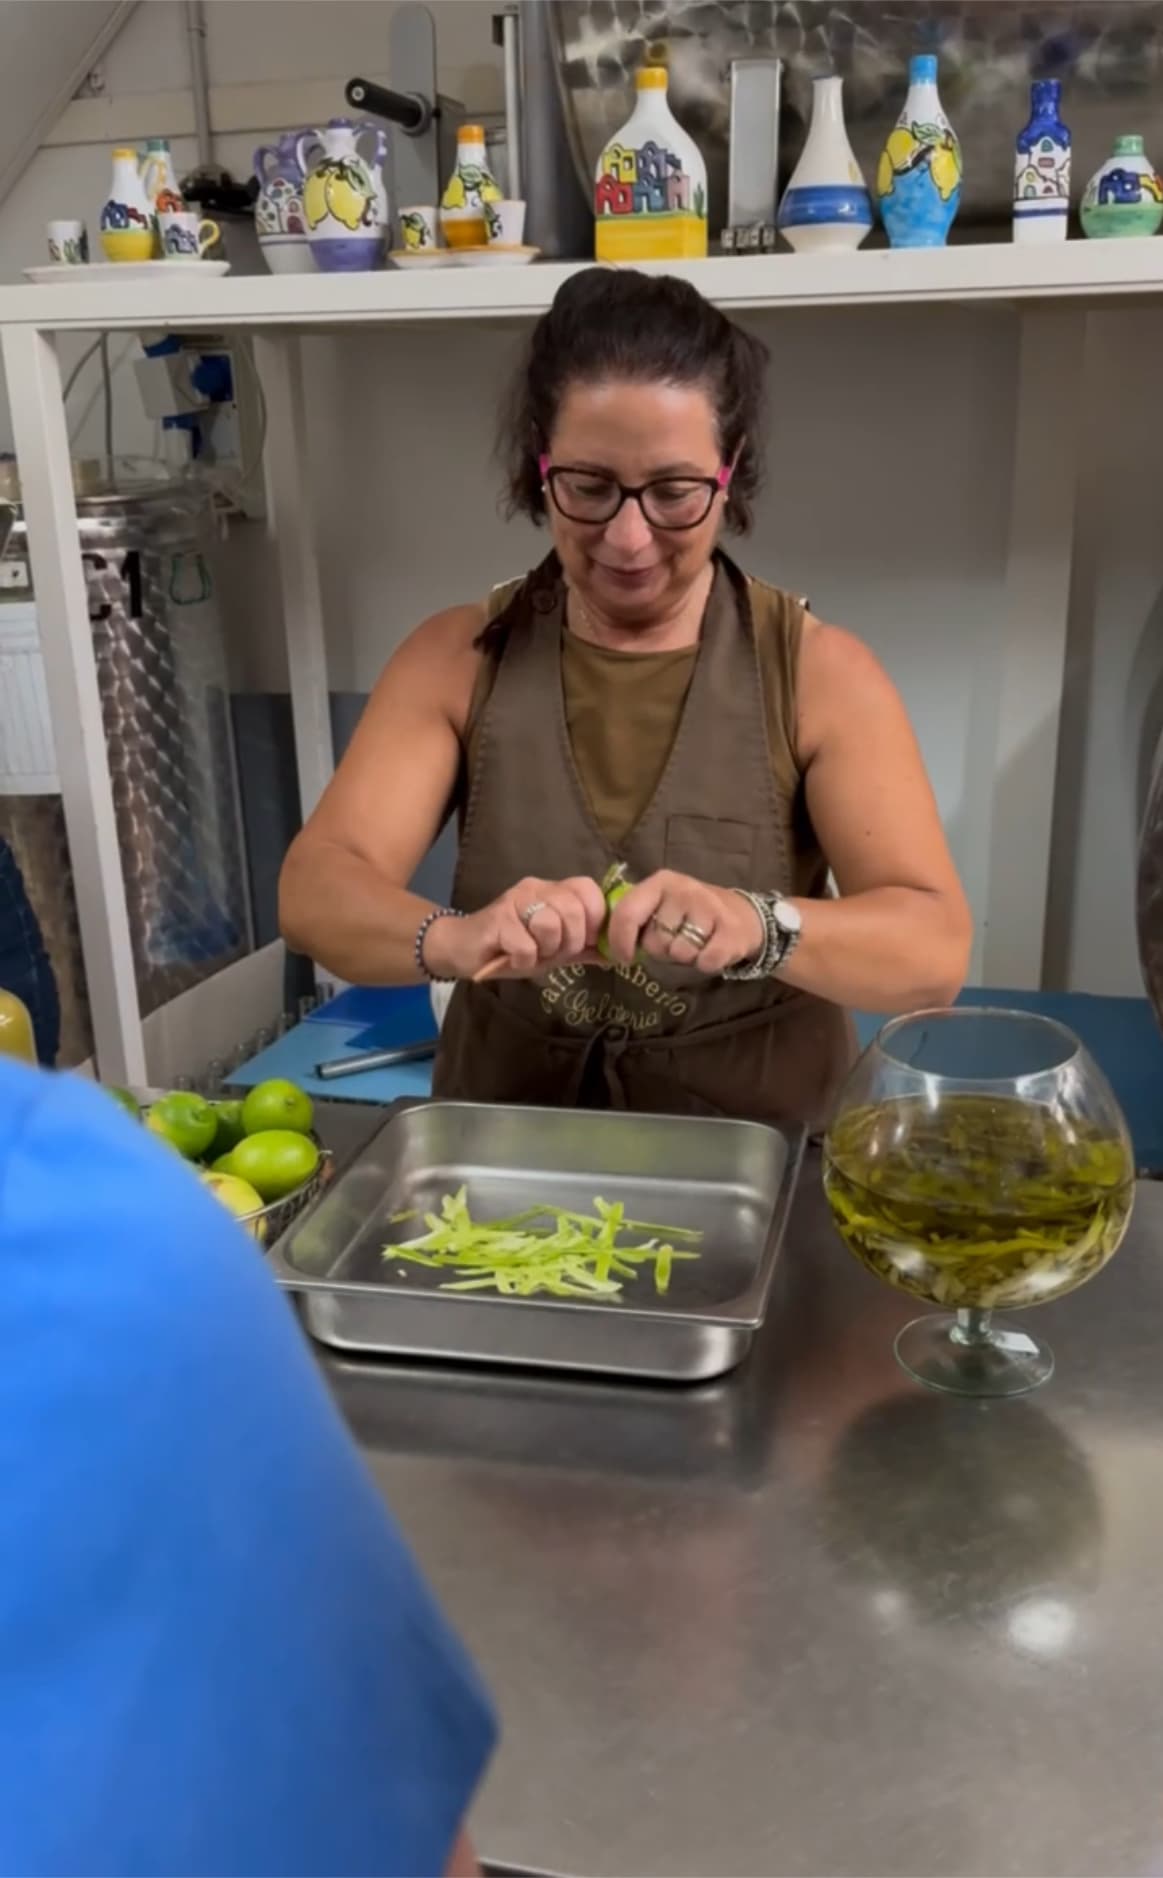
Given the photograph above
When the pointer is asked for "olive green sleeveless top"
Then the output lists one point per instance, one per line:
(623, 709)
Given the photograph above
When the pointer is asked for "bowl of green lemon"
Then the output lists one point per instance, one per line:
(257, 1154)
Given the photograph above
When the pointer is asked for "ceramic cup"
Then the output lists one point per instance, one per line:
(505, 223)
(68, 243)
(419, 229)
(186, 235)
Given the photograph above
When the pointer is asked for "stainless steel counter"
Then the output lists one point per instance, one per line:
(811, 1620)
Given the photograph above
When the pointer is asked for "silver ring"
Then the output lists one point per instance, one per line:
(693, 934)
(530, 914)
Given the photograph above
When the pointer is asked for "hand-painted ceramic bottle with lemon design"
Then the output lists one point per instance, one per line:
(918, 180)
(650, 185)
(471, 185)
(345, 204)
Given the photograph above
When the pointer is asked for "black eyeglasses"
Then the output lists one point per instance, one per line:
(669, 502)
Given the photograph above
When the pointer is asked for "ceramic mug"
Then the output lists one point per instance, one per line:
(68, 243)
(419, 229)
(186, 235)
(505, 223)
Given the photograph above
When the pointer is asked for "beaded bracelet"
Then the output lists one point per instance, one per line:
(426, 925)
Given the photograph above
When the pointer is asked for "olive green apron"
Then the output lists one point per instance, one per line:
(650, 1036)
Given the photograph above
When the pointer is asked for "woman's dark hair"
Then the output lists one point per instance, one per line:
(615, 323)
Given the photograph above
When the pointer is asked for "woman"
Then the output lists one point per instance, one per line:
(637, 699)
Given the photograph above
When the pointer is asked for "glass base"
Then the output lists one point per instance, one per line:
(966, 1354)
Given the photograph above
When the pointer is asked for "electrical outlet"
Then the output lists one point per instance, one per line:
(13, 574)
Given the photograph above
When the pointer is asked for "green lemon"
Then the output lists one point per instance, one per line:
(276, 1161)
(223, 1164)
(615, 887)
(230, 1130)
(277, 1104)
(185, 1120)
(128, 1102)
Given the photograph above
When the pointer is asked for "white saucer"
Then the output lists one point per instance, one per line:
(54, 272)
(492, 256)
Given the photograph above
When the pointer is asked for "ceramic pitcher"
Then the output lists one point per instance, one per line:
(344, 200)
(128, 223)
(279, 218)
(160, 178)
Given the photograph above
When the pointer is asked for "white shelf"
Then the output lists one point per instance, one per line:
(1076, 271)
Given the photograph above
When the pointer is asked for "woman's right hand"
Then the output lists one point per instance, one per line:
(516, 940)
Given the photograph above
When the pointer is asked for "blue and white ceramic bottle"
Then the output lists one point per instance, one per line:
(918, 178)
(826, 203)
(1042, 168)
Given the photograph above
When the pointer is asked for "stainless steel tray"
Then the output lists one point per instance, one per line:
(732, 1181)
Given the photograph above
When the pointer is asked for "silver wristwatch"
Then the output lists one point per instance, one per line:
(782, 925)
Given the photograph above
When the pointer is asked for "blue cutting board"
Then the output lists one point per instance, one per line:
(358, 1019)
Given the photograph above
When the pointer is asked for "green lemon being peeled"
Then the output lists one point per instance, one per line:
(615, 887)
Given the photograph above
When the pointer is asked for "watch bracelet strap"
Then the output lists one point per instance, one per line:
(777, 943)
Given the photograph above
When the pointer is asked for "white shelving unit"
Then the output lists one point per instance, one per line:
(1053, 288)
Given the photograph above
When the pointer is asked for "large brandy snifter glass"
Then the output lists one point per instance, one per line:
(978, 1160)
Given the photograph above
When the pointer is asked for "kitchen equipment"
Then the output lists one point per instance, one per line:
(344, 199)
(918, 177)
(826, 203)
(160, 652)
(753, 156)
(128, 223)
(375, 1059)
(422, 121)
(730, 1180)
(978, 1159)
(1125, 194)
(278, 211)
(650, 184)
(1042, 169)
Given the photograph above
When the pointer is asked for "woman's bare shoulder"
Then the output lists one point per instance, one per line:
(439, 662)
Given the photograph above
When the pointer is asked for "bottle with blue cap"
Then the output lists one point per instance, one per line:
(1042, 168)
(918, 178)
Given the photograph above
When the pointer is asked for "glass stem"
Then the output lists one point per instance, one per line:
(972, 1326)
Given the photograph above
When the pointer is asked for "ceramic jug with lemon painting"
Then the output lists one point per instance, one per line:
(128, 223)
(918, 179)
(345, 204)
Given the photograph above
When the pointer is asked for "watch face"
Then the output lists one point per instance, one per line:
(788, 917)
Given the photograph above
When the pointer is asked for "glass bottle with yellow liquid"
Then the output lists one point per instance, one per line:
(16, 1033)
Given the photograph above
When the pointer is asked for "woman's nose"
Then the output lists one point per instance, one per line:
(629, 530)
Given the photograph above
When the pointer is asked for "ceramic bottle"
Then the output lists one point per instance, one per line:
(344, 201)
(1042, 169)
(1125, 195)
(16, 1033)
(918, 178)
(160, 178)
(279, 218)
(128, 223)
(471, 185)
(650, 184)
(826, 203)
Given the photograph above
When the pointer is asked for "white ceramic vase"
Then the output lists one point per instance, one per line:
(826, 204)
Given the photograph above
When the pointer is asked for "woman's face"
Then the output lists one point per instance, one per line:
(633, 573)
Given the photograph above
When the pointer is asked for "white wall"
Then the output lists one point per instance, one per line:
(887, 501)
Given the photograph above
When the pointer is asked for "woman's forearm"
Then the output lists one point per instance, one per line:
(890, 949)
(336, 909)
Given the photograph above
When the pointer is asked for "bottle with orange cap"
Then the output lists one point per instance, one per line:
(471, 185)
(650, 185)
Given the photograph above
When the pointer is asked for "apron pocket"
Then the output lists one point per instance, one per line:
(718, 852)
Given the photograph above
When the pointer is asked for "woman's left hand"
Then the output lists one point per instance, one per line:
(672, 917)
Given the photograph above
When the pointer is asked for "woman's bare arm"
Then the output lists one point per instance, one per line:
(343, 891)
(899, 936)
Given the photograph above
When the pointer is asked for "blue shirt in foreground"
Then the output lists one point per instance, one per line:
(216, 1656)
